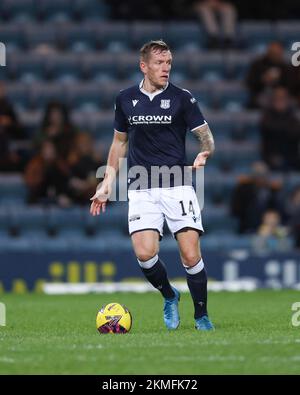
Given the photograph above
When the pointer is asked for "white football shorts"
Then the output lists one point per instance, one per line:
(148, 208)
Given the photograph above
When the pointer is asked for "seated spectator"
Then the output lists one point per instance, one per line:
(57, 127)
(271, 234)
(295, 85)
(293, 212)
(265, 73)
(219, 20)
(253, 195)
(16, 131)
(10, 158)
(280, 133)
(46, 178)
(84, 163)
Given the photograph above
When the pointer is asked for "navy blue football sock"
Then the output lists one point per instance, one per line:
(155, 272)
(197, 283)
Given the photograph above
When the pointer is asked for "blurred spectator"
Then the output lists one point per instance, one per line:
(83, 166)
(280, 133)
(293, 211)
(46, 178)
(265, 73)
(16, 131)
(271, 234)
(295, 86)
(57, 127)
(253, 195)
(10, 130)
(219, 21)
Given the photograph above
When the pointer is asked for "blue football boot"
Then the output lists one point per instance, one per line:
(204, 324)
(171, 314)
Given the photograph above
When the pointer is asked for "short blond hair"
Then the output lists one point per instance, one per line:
(153, 45)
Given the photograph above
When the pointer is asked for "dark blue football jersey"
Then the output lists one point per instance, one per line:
(156, 124)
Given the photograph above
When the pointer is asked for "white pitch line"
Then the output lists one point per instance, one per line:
(7, 360)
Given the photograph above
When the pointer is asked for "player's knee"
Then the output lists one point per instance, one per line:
(190, 258)
(145, 255)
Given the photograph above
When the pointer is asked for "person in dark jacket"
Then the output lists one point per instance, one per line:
(280, 133)
(265, 73)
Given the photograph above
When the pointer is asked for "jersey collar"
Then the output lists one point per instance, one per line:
(153, 94)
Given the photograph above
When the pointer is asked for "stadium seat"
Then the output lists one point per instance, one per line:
(28, 69)
(208, 67)
(101, 68)
(256, 35)
(183, 35)
(37, 35)
(117, 219)
(141, 33)
(77, 38)
(111, 36)
(40, 94)
(230, 96)
(288, 33)
(218, 219)
(18, 10)
(54, 10)
(65, 68)
(237, 64)
(90, 10)
(12, 189)
(18, 94)
(11, 35)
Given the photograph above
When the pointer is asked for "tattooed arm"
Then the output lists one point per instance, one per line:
(207, 143)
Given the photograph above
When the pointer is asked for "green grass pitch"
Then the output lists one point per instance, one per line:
(57, 335)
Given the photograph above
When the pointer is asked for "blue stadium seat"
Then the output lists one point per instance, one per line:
(19, 10)
(232, 96)
(140, 33)
(202, 93)
(102, 126)
(65, 68)
(67, 220)
(218, 219)
(54, 10)
(77, 38)
(180, 68)
(183, 35)
(288, 33)
(111, 36)
(28, 69)
(218, 186)
(108, 94)
(31, 121)
(90, 10)
(41, 94)
(18, 94)
(115, 220)
(237, 65)
(32, 219)
(236, 155)
(208, 67)
(100, 68)
(12, 36)
(85, 96)
(37, 35)
(225, 241)
(12, 189)
(256, 35)
(127, 66)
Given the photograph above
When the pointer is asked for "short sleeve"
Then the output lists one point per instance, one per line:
(120, 124)
(192, 114)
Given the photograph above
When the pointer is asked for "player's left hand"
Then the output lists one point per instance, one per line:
(200, 160)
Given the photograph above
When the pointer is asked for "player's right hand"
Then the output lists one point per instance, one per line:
(99, 200)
